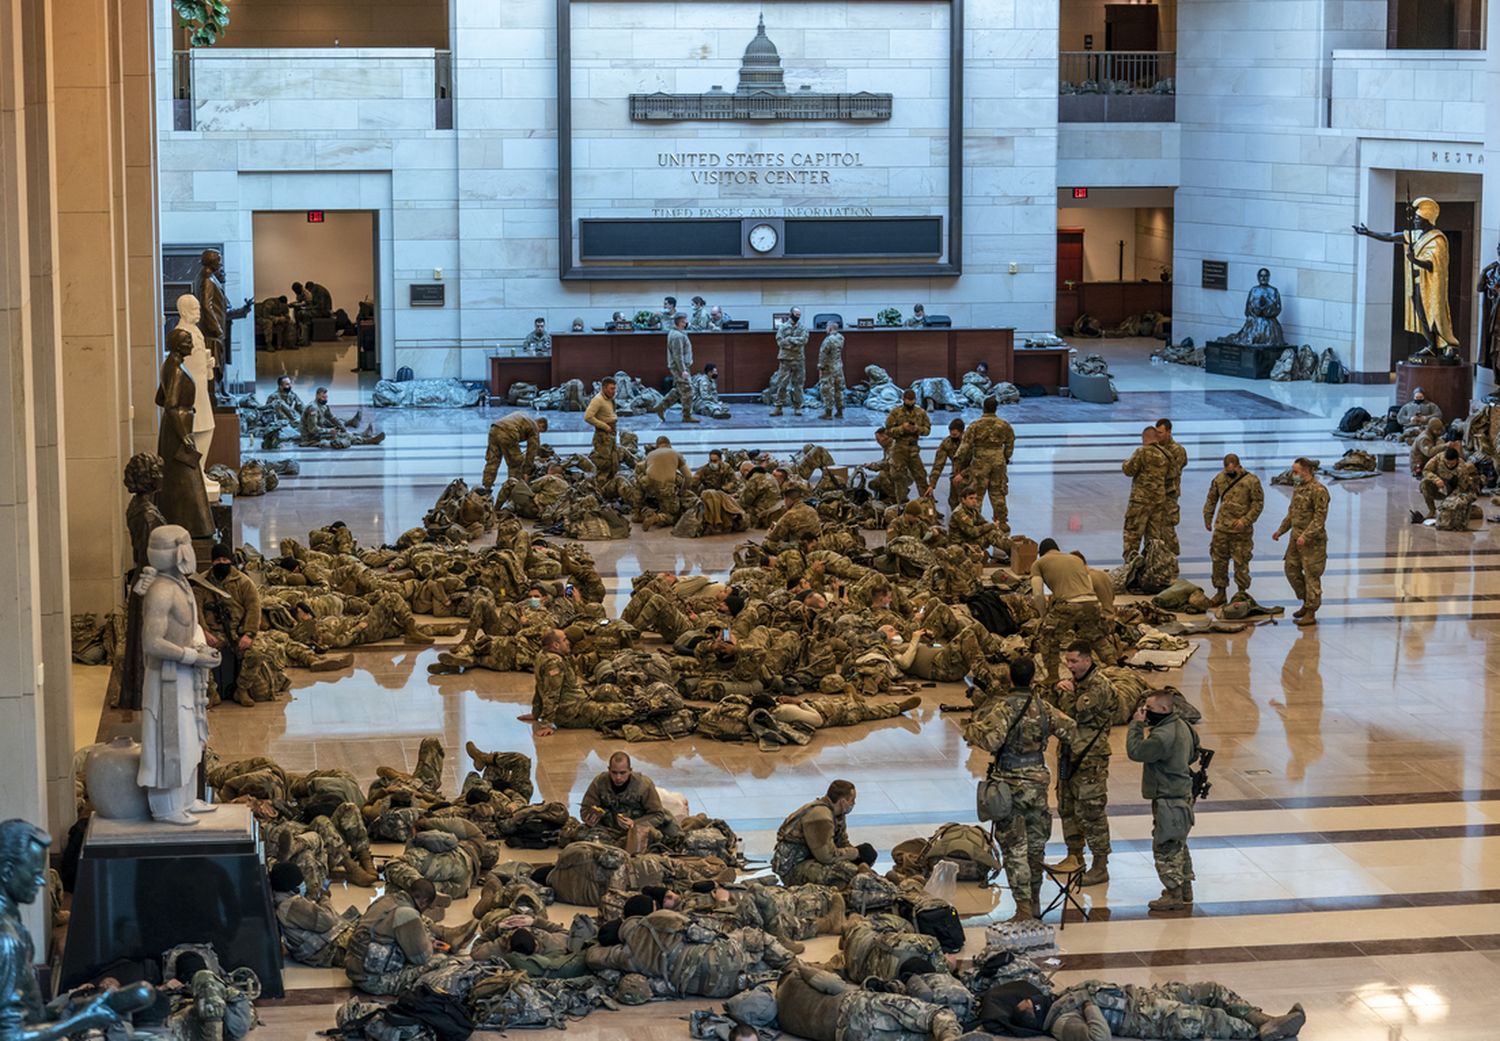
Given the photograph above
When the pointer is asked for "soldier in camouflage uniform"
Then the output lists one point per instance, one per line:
(605, 421)
(796, 522)
(680, 365)
(1237, 496)
(559, 700)
(791, 363)
(619, 801)
(983, 458)
(831, 371)
(313, 933)
(1014, 728)
(761, 497)
(1170, 1011)
(907, 424)
(1447, 473)
(967, 526)
(946, 450)
(1072, 613)
(505, 438)
(1167, 747)
(1307, 549)
(1176, 461)
(1147, 470)
(393, 945)
(1088, 698)
(813, 1002)
(812, 844)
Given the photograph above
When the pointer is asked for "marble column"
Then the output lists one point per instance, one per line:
(1490, 207)
(91, 258)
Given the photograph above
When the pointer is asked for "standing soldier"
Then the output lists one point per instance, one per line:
(947, 448)
(1014, 729)
(1074, 612)
(680, 365)
(983, 459)
(831, 371)
(506, 436)
(1166, 745)
(1307, 550)
(1147, 470)
(791, 360)
(602, 417)
(1238, 497)
(1088, 698)
(907, 424)
(1176, 461)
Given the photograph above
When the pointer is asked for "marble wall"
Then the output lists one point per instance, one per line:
(480, 202)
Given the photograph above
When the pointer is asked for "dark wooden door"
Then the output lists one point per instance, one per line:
(1130, 27)
(1434, 25)
(1457, 222)
(1069, 275)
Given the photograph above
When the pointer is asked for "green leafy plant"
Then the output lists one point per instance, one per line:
(207, 20)
(647, 320)
(889, 316)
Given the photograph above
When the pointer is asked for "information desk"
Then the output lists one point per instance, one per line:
(747, 359)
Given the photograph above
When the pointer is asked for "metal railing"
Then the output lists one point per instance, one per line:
(1117, 72)
(182, 90)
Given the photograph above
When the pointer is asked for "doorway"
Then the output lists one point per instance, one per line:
(334, 345)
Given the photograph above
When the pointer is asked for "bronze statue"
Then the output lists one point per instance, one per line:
(1262, 306)
(1427, 312)
(142, 517)
(213, 319)
(183, 499)
(23, 862)
(1489, 322)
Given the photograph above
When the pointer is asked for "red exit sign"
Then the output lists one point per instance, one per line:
(1078, 193)
(316, 216)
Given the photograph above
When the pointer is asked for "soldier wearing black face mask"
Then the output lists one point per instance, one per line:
(1167, 746)
(229, 606)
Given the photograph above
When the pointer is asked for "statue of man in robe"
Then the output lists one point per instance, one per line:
(1426, 267)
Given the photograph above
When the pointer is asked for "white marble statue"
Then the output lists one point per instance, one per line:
(174, 698)
(199, 365)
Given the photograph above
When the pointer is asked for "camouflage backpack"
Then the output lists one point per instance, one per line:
(879, 944)
(967, 845)
(585, 871)
(1455, 512)
(871, 892)
(1158, 568)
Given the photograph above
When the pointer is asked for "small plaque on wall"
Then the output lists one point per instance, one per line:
(428, 294)
(1216, 274)
(866, 323)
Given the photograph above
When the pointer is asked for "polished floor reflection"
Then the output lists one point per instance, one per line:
(1349, 856)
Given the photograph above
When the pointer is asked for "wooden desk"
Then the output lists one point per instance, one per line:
(747, 359)
(529, 369)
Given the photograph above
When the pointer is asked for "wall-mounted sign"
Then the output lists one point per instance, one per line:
(1080, 193)
(315, 216)
(1216, 274)
(428, 294)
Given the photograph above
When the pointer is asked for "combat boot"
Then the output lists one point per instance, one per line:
(909, 703)
(332, 663)
(481, 759)
(1186, 892)
(1279, 1027)
(1072, 862)
(1310, 618)
(832, 923)
(1025, 911)
(661, 411)
(1218, 598)
(1036, 898)
(1098, 872)
(242, 697)
(826, 415)
(1170, 900)
(457, 937)
(776, 411)
(356, 875)
(1300, 612)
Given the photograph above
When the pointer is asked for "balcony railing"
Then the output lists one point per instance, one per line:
(1117, 86)
(288, 89)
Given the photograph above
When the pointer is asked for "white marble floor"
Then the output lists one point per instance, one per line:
(1349, 856)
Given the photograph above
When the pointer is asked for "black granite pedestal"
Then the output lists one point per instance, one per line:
(144, 888)
(1232, 359)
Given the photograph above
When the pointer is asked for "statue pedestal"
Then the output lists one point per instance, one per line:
(145, 887)
(1232, 359)
(1449, 387)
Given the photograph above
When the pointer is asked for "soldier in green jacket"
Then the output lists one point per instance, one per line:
(982, 460)
(1147, 470)
(907, 424)
(1237, 497)
(1167, 746)
(1176, 462)
(1087, 697)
